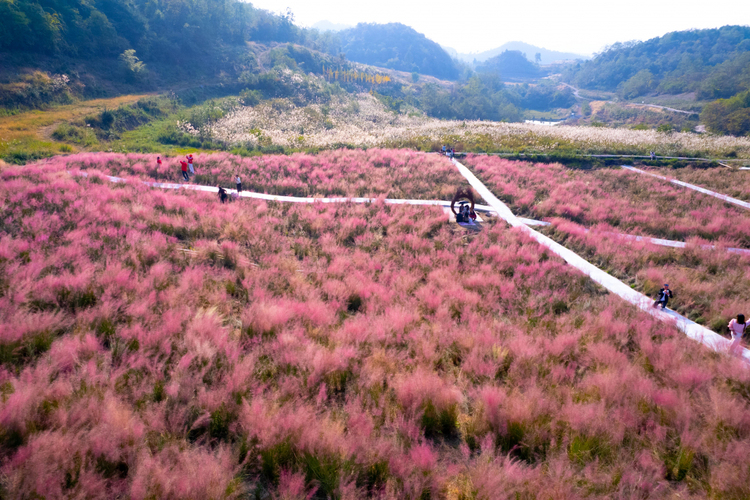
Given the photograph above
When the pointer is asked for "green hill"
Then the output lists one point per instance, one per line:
(157, 29)
(511, 64)
(53, 50)
(728, 116)
(714, 63)
(397, 47)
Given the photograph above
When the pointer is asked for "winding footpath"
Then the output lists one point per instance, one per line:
(576, 93)
(674, 244)
(720, 196)
(692, 329)
(673, 110)
(297, 199)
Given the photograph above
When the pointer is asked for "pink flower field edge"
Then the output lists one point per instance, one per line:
(161, 345)
(347, 173)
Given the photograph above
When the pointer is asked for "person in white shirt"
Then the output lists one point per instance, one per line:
(737, 328)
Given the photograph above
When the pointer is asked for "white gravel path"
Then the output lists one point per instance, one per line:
(720, 196)
(690, 328)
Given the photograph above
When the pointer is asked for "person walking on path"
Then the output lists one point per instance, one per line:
(737, 328)
(664, 295)
(184, 166)
(238, 181)
(190, 164)
(222, 194)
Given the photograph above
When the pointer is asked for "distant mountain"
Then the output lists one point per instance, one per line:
(397, 47)
(510, 64)
(548, 56)
(714, 63)
(329, 26)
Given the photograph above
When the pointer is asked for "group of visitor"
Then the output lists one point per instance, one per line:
(186, 166)
(188, 169)
(465, 214)
(448, 151)
(736, 326)
(223, 192)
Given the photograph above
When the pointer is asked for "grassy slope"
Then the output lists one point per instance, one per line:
(31, 131)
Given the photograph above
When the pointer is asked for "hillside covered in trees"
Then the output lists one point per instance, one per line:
(728, 116)
(57, 51)
(397, 47)
(158, 30)
(511, 64)
(714, 63)
(485, 97)
(51, 50)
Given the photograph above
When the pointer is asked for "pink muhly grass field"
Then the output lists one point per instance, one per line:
(159, 344)
(351, 173)
(711, 286)
(628, 202)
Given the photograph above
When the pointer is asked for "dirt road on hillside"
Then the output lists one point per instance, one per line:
(664, 108)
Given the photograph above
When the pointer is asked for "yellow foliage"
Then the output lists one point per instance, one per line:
(460, 488)
(355, 76)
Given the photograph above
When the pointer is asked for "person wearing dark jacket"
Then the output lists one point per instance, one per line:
(664, 295)
(222, 194)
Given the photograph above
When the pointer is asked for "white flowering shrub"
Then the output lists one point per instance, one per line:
(363, 121)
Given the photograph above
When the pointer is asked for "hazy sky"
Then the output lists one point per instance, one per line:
(581, 26)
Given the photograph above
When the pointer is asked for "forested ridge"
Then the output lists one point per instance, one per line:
(511, 63)
(714, 63)
(54, 51)
(485, 97)
(398, 47)
(155, 29)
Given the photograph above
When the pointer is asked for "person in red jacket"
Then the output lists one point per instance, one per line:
(190, 164)
(184, 166)
(158, 161)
